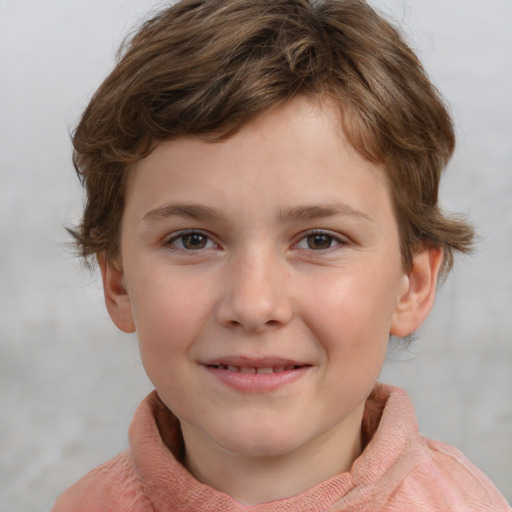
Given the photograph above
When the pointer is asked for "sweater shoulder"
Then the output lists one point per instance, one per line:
(111, 487)
(458, 483)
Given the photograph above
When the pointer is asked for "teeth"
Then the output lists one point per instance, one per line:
(275, 369)
(264, 370)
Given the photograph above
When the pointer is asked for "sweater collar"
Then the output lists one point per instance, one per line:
(157, 447)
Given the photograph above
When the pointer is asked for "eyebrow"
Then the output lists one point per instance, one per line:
(306, 212)
(327, 210)
(193, 211)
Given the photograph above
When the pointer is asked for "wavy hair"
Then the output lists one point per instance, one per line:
(208, 67)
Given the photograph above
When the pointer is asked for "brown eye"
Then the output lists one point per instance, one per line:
(193, 241)
(319, 241)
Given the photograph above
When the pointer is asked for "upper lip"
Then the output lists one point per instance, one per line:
(253, 362)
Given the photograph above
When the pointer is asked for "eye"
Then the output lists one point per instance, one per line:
(319, 241)
(191, 241)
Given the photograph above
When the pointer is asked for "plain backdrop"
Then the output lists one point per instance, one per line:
(69, 382)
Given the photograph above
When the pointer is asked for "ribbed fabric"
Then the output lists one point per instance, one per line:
(399, 471)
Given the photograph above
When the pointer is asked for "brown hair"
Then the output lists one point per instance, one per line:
(207, 67)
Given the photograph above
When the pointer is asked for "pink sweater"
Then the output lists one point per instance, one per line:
(399, 470)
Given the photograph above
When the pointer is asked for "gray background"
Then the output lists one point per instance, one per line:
(69, 382)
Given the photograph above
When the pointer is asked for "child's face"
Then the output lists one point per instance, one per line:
(277, 249)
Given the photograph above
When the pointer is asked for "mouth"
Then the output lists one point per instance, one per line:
(256, 369)
(256, 375)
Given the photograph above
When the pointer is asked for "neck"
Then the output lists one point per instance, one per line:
(253, 480)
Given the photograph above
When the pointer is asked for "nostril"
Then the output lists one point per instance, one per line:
(269, 324)
(237, 311)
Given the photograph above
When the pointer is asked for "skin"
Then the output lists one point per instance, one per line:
(294, 253)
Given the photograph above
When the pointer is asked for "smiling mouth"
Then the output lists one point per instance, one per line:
(256, 375)
(251, 369)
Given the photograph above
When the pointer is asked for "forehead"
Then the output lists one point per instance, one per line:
(295, 155)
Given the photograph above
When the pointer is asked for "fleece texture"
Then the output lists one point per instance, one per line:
(399, 471)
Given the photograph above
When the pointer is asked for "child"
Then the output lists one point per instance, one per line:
(262, 181)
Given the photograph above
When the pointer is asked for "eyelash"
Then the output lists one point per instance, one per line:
(184, 234)
(333, 238)
(330, 238)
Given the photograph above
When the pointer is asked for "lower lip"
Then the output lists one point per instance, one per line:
(257, 382)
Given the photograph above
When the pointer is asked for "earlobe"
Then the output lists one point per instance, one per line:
(415, 303)
(117, 299)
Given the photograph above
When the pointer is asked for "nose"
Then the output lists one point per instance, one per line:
(255, 294)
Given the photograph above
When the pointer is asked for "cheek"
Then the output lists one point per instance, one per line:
(351, 315)
(166, 317)
(166, 300)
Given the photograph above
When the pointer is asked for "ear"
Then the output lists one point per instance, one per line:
(117, 299)
(420, 285)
